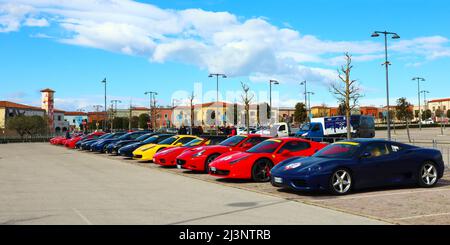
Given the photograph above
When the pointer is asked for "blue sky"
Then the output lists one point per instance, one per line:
(169, 45)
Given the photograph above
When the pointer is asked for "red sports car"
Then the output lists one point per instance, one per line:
(57, 140)
(198, 158)
(70, 143)
(257, 162)
(168, 157)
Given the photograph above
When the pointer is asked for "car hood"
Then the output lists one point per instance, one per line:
(232, 156)
(297, 165)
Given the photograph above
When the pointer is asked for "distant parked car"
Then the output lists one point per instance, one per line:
(428, 121)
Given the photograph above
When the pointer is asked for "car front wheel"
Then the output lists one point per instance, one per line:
(427, 176)
(209, 159)
(261, 170)
(341, 182)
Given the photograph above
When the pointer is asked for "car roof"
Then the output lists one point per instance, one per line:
(367, 140)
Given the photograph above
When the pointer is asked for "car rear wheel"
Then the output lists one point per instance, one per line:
(209, 159)
(261, 170)
(341, 182)
(428, 175)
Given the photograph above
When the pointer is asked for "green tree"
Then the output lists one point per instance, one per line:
(31, 125)
(341, 109)
(300, 113)
(143, 120)
(134, 122)
(426, 114)
(438, 113)
(404, 113)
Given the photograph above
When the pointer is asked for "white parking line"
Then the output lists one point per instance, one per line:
(421, 216)
(385, 194)
(82, 216)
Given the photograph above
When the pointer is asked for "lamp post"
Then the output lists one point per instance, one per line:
(309, 104)
(387, 64)
(152, 105)
(425, 92)
(419, 79)
(104, 120)
(270, 96)
(114, 111)
(217, 75)
(304, 83)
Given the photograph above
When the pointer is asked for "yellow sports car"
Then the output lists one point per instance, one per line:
(146, 152)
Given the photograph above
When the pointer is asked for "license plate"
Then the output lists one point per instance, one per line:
(213, 169)
(179, 166)
(278, 180)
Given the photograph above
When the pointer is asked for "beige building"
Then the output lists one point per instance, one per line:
(438, 104)
(10, 109)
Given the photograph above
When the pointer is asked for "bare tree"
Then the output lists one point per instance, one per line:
(347, 91)
(246, 99)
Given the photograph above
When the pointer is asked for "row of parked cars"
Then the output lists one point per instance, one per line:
(287, 162)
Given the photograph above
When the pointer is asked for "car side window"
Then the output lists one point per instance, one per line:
(294, 146)
(282, 128)
(134, 136)
(255, 140)
(377, 150)
(185, 140)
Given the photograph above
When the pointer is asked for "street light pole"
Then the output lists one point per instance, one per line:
(304, 83)
(419, 79)
(152, 104)
(425, 92)
(217, 97)
(114, 110)
(387, 64)
(309, 104)
(104, 120)
(270, 96)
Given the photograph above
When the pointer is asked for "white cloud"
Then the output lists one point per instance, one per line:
(215, 41)
(41, 22)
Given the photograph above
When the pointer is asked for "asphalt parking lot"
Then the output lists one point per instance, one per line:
(52, 184)
(45, 184)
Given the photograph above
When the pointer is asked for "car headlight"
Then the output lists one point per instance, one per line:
(239, 159)
(199, 153)
(303, 135)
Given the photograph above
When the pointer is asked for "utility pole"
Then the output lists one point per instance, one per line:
(309, 104)
(270, 96)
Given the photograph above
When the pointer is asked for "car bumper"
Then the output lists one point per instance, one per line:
(192, 163)
(226, 170)
(314, 182)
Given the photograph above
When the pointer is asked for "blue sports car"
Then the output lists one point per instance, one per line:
(360, 163)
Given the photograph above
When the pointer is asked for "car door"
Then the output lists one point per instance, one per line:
(400, 167)
(373, 168)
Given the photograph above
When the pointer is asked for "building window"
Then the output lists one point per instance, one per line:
(59, 118)
(166, 116)
(445, 108)
(73, 120)
(434, 108)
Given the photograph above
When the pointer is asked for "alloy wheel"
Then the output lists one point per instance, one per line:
(341, 181)
(429, 174)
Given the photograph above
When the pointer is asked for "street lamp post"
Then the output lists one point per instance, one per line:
(217, 75)
(104, 120)
(309, 104)
(424, 92)
(152, 105)
(387, 63)
(304, 83)
(419, 79)
(270, 96)
(114, 111)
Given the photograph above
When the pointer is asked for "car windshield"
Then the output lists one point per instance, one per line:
(105, 136)
(168, 141)
(152, 139)
(305, 127)
(338, 150)
(194, 142)
(233, 141)
(143, 137)
(267, 146)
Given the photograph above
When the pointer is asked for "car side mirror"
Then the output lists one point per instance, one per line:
(366, 155)
(247, 145)
(179, 144)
